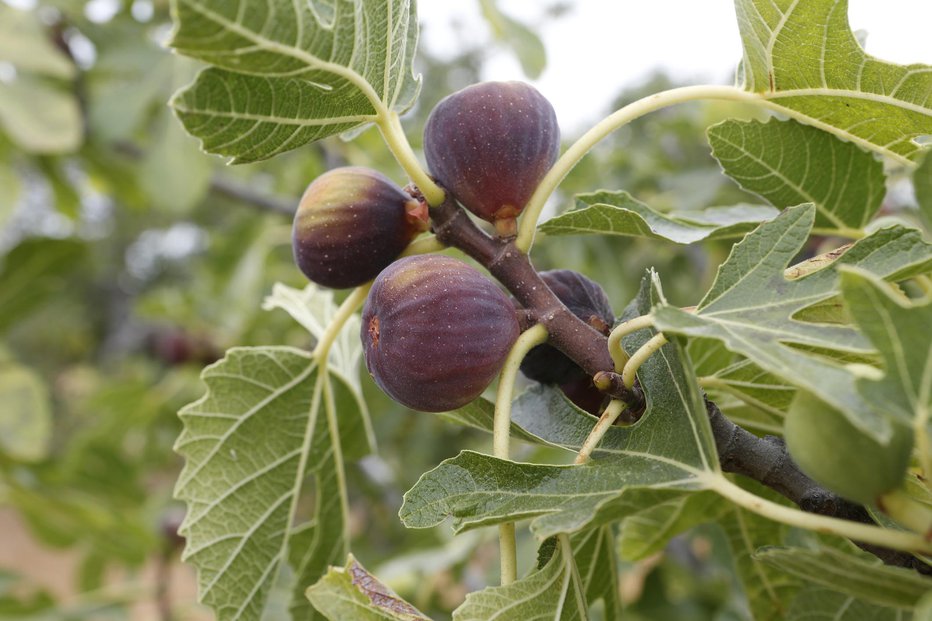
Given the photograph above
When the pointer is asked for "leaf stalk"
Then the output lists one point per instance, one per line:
(501, 436)
(389, 124)
(621, 117)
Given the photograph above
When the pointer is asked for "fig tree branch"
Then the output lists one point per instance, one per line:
(243, 193)
(764, 460)
(767, 461)
(581, 342)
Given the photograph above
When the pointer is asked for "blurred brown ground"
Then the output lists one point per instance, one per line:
(55, 570)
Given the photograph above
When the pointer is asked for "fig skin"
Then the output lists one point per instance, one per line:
(435, 332)
(489, 145)
(351, 223)
(583, 394)
(586, 299)
(837, 455)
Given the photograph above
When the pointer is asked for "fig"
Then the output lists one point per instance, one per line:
(838, 455)
(489, 145)
(586, 299)
(583, 394)
(351, 223)
(436, 332)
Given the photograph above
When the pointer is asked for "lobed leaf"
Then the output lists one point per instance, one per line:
(244, 449)
(900, 330)
(803, 58)
(479, 490)
(322, 541)
(821, 604)
(752, 385)
(751, 307)
(618, 213)
(867, 580)
(479, 414)
(787, 163)
(656, 517)
(285, 74)
(595, 554)
(768, 590)
(314, 308)
(248, 445)
(552, 592)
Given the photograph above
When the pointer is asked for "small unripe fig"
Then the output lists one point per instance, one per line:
(490, 144)
(351, 223)
(586, 299)
(435, 332)
(838, 455)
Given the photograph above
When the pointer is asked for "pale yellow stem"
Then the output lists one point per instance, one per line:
(629, 373)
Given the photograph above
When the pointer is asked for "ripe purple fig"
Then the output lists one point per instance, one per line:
(586, 299)
(489, 145)
(435, 332)
(584, 395)
(351, 224)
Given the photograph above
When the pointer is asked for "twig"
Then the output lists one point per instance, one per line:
(245, 194)
(767, 461)
(581, 342)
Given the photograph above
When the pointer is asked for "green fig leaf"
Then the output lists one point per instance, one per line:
(752, 307)
(323, 69)
(805, 61)
(788, 163)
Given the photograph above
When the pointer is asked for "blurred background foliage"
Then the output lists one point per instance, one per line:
(129, 260)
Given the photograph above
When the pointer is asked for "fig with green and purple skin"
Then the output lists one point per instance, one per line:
(436, 332)
(586, 299)
(352, 222)
(490, 145)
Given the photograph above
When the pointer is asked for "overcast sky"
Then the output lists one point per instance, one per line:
(602, 45)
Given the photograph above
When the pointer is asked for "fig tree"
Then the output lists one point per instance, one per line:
(586, 299)
(436, 332)
(351, 223)
(489, 145)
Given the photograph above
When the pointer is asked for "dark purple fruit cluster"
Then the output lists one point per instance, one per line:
(490, 145)
(436, 332)
(351, 224)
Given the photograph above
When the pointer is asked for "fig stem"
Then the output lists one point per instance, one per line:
(608, 418)
(619, 355)
(925, 284)
(842, 231)
(337, 446)
(864, 533)
(602, 129)
(346, 310)
(423, 245)
(629, 373)
(394, 136)
(501, 436)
